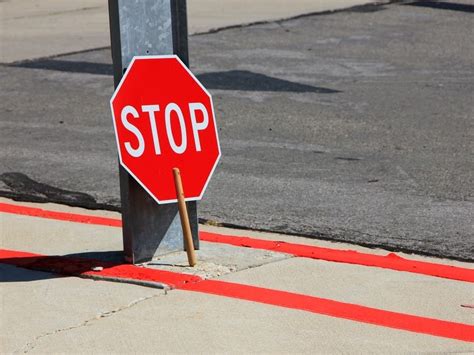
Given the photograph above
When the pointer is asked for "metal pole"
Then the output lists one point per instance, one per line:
(148, 27)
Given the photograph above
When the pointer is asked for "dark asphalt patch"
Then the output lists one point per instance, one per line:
(366, 8)
(441, 5)
(23, 188)
(347, 158)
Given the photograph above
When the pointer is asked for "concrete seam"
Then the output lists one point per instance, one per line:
(295, 17)
(288, 256)
(144, 283)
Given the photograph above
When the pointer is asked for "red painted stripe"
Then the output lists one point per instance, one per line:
(60, 216)
(390, 261)
(82, 267)
(379, 317)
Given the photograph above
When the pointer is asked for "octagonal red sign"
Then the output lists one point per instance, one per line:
(164, 119)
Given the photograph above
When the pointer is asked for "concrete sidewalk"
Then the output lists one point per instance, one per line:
(36, 28)
(48, 314)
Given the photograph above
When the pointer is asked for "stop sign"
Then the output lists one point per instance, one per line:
(164, 119)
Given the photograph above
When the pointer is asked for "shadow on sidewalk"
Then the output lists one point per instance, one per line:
(35, 268)
(11, 273)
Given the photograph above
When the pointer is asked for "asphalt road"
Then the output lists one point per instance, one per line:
(354, 126)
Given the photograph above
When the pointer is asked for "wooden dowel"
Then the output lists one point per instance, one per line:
(183, 214)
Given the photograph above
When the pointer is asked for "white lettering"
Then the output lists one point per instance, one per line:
(178, 149)
(134, 152)
(193, 107)
(151, 109)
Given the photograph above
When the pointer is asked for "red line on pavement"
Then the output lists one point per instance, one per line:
(82, 268)
(390, 261)
(379, 317)
(60, 216)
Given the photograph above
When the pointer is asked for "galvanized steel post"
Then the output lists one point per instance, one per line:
(148, 27)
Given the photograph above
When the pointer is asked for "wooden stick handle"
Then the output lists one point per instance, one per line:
(183, 214)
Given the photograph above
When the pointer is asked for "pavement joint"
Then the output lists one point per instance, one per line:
(376, 6)
(152, 284)
(250, 267)
(53, 56)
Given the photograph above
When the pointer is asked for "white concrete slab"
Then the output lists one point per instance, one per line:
(37, 304)
(205, 15)
(34, 28)
(38, 28)
(185, 322)
(390, 290)
(51, 237)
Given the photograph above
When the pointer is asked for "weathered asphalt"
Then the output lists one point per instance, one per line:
(354, 126)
